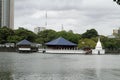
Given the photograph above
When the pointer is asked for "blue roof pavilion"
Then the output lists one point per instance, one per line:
(60, 43)
(24, 42)
(26, 46)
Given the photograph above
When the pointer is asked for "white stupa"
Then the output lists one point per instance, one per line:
(98, 49)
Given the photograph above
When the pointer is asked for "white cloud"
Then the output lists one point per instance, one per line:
(78, 15)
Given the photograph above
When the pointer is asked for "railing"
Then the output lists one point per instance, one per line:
(72, 51)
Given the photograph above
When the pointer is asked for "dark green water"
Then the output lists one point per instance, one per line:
(37, 66)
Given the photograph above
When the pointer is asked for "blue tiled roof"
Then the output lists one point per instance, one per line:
(24, 42)
(61, 42)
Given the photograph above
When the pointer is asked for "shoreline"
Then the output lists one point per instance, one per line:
(58, 53)
(14, 49)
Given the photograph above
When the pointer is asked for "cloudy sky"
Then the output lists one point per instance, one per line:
(76, 15)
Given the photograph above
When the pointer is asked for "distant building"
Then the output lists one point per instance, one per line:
(119, 31)
(111, 36)
(7, 13)
(116, 32)
(38, 29)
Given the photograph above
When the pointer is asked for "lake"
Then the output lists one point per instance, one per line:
(38, 66)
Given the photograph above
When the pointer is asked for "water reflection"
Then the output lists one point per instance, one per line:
(98, 66)
(6, 67)
(15, 66)
(86, 74)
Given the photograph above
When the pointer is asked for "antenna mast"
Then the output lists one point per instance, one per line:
(62, 27)
(46, 16)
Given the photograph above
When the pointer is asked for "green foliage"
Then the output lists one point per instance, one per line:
(14, 39)
(25, 34)
(112, 44)
(87, 39)
(90, 33)
(4, 33)
(86, 43)
(46, 36)
(8, 35)
(69, 36)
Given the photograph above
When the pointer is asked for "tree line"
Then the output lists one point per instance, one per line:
(87, 39)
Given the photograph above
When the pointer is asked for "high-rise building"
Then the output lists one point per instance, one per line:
(0, 13)
(38, 29)
(7, 13)
(115, 31)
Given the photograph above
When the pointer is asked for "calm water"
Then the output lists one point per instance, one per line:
(15, 66)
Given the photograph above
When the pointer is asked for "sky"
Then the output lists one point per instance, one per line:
(76, 15)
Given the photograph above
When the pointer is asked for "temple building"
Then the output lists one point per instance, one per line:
(98, 49)
(60, 43)
(26, 46)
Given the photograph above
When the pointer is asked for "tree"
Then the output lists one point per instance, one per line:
(86, 43)
(69, 36)
(14, 39)
(5, 33)
(25, 34)
(46, 36)
(111, 44)
(117, 1)
(62, 34)
(90, 33)
(70, 31)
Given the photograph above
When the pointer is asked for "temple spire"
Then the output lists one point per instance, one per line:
(99, 45)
